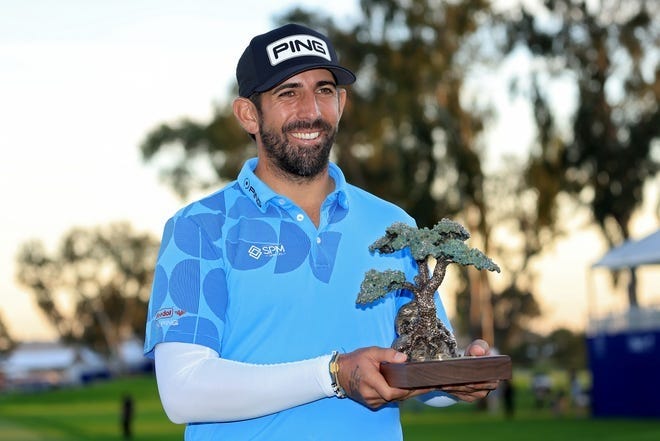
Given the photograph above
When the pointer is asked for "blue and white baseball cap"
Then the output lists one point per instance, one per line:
(283, 52)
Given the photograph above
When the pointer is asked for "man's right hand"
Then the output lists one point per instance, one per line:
(360, 376)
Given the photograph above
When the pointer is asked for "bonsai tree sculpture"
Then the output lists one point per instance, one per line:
(421, 335)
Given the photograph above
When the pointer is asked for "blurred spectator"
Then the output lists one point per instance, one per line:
(579, 397)
(508, 397)
(541, 387)
(560, 403)
(127, 411)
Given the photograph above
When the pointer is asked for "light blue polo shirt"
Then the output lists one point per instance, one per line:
(245, 272)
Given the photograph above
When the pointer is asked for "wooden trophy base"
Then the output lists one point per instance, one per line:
(452, 371)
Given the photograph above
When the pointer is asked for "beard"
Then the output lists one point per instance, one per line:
(303, 162)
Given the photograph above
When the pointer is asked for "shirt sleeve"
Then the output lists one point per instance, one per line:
(189, 292)
(196, 385)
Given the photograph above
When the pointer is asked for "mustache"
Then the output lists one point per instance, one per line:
(317, 124)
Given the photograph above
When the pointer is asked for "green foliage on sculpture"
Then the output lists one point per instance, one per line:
(376, 284)
(421, 335)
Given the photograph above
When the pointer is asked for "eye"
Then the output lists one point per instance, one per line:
(286, 93)
(327, 90)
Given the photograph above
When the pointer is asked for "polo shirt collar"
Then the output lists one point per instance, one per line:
(261, 194)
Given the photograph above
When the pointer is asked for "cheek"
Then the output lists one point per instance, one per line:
(268, 124)
(276, 118)
(331, 113)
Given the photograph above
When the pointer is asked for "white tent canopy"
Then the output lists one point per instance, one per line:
(633, 253)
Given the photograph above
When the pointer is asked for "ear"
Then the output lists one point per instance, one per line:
(246, 114)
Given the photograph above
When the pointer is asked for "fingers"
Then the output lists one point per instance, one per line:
(360, 376)
(471, 392)
(391, 355)
(475, 391)
(478, 348)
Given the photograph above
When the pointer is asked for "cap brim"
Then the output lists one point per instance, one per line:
(342, 75)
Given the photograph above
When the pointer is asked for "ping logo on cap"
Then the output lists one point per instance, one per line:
(297, 46)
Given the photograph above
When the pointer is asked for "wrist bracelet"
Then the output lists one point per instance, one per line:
(333, 367)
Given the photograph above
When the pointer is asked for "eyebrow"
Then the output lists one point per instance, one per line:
(294, 85)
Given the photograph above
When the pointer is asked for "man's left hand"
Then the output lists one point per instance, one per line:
(475, 391)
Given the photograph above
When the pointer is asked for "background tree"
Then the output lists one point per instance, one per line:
(95, 287)
(195, 155)
(560, 349)
(600, 151)
(513, 312)
(6, 341)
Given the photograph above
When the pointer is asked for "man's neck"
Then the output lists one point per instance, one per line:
(306, 192)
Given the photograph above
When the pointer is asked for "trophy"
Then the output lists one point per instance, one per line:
(431, 348)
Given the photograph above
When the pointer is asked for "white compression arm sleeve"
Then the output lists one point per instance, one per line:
(196, 385)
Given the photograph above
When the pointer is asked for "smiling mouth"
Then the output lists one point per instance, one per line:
(306, 136)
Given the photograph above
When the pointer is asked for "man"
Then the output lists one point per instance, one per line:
(252, 321)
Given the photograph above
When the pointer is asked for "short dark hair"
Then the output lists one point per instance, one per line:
(256, 100)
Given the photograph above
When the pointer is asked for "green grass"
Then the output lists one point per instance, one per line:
(466, 422)
(92, 413)
(86, 413)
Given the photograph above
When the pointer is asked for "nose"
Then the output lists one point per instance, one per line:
(308, 107)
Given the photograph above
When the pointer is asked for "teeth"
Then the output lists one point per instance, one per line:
(313, 135)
